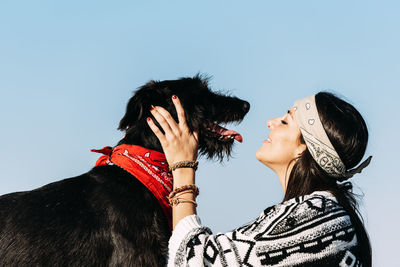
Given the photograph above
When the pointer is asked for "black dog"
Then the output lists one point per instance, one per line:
(106, 217)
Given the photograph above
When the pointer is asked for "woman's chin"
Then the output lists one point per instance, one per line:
(260, 155)
(262, 152)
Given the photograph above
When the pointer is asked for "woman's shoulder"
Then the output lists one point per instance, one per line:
(302, 218)
(317, 209)
(314, 203)
(314, 197)
(313, 211)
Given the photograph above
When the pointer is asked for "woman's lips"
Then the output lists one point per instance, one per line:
(268, 140)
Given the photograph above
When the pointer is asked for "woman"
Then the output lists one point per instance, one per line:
(312, 148)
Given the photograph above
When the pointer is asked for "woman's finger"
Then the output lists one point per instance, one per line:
(156, 130)
(179, 110)
(162, 121)
(171, 121)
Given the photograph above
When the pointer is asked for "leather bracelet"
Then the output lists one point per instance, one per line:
(176, 201)
(186, 192)
(191, 187)
(184, 164)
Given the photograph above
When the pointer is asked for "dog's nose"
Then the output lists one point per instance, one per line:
(246, 106)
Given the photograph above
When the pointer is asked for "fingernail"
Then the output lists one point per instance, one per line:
(152, 107)
(174, 97)
(148, 119)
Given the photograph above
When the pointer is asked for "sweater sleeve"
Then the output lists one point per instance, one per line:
(183, 231)
(307, 231)
(192, 244)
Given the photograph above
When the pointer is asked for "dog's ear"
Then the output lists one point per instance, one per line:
(152, 93)
(134, 112)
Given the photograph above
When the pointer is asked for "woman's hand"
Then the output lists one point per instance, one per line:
(178, 142)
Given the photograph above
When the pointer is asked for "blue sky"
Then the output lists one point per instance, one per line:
(68, 68)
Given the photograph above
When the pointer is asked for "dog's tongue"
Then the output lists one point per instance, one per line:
(225, 132)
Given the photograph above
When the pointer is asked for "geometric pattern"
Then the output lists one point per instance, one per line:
(349, 260)
(305, 231)
(210, 252)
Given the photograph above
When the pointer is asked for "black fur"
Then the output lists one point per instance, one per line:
(106, 217)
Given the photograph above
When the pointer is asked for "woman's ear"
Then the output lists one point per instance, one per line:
(300, 149)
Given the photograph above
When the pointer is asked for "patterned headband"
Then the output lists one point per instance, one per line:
(318, 143)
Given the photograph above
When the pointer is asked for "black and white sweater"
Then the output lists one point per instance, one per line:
(312, 230)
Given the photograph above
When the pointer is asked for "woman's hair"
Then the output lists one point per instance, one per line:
(348, 134)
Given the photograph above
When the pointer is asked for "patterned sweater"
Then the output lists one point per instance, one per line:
(312, 230)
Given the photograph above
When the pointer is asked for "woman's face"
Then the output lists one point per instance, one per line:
(283, 142)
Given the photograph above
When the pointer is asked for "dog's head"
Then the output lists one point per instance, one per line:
(205, 112)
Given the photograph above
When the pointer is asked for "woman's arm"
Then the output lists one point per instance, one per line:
(183, 177)
(191, 243)
(179, 144)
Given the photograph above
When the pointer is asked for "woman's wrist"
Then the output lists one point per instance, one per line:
(184, 164)
(183, 176)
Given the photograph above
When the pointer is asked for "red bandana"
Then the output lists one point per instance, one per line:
(148, 166)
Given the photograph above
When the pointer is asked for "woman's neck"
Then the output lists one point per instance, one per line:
(283, 172)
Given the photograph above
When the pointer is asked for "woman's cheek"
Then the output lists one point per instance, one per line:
(279, 153)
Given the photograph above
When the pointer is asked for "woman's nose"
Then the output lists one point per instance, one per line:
(271, 123)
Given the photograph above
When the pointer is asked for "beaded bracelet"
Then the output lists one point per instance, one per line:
(177, 201)
(184, 164)
(192, 187)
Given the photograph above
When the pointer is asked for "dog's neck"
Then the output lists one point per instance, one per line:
(148, 166)
(150, 141)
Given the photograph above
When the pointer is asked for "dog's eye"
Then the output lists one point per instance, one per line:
(284, 122)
